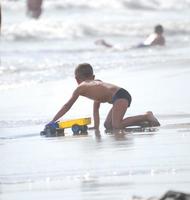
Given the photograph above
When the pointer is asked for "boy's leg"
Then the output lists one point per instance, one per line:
(118, 112)
(139, 119)
(108, 121)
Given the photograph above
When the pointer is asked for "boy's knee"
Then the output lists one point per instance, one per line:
(113, 125)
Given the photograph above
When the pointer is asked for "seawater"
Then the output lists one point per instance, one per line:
(38, 58)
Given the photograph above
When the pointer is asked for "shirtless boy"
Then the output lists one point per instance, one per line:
(101, 92)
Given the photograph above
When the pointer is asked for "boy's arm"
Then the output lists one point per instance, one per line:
(67, 105)
(96, 114)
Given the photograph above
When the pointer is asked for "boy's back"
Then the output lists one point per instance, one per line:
(97, 90)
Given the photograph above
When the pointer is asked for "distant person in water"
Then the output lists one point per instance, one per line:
(153, 39)
(34, 8)
(102, 92)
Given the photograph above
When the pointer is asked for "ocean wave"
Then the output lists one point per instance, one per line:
(106, 18)
(24, 73)
(43, 30)
(21, 123)
(102, 4)
(156, 4)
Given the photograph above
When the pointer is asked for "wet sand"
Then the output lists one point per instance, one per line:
(105, 166)
(38, 58)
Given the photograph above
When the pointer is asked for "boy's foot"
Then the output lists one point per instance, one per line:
(152, 119)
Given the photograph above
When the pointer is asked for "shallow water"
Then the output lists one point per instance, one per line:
(95, 166)
(36, 78)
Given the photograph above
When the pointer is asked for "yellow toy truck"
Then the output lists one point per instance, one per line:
(78, 126)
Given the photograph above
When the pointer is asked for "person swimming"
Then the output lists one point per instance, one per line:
(153, 39)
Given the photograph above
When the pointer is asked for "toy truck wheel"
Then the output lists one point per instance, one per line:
(76, 129)
(84, 129)
(50, 131)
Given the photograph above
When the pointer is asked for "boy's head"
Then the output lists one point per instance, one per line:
(83, 72)
(158, 29)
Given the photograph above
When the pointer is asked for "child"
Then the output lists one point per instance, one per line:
(101, 92)
(156, 38)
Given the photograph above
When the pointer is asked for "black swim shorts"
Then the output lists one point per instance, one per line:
(122, 94)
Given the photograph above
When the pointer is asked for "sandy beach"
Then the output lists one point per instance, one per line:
(38, 58)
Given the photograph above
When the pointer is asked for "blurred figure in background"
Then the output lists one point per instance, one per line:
(34, 8)
(153, 39)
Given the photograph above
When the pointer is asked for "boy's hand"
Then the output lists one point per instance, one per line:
(96, 130)
(52, 124)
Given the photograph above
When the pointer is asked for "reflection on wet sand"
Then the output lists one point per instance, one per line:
(176, 126)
